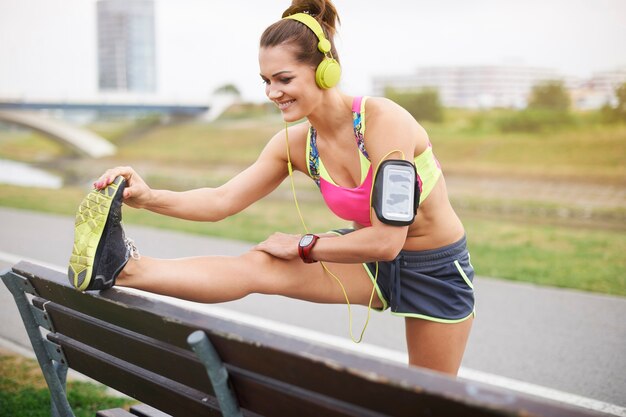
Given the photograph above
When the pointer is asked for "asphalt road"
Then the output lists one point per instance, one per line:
(551, 342)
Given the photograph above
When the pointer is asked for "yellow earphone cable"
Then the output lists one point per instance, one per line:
(343, 289)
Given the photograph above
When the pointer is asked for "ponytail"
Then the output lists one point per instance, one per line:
(323, 11)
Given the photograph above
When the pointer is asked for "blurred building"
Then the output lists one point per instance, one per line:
(488, 86)
(599, 89)
(482, 86)
(126, 45)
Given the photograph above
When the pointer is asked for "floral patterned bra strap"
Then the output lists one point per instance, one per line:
(358, 110)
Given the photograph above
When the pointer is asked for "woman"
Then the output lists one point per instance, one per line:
(421, 271)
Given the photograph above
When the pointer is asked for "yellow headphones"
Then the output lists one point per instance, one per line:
(328, 71)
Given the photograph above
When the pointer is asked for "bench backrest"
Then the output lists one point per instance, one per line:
(138, 345)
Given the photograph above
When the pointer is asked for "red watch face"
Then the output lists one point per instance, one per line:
(305, 246)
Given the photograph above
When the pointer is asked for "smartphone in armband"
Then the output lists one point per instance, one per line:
(395, 194)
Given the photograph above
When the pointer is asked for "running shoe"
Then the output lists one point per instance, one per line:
(101, 249)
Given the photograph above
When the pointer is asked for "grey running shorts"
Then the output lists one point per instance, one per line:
(433, 284)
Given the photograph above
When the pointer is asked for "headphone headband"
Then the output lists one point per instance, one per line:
(309, 21)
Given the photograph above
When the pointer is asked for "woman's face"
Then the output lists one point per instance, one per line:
(288, 83)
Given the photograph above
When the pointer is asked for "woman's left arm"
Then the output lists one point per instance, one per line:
(392, 133)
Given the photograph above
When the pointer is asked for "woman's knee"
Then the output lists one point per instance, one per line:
(257, 259)
(266, 273)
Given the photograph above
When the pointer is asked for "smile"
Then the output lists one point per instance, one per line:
(283, 105)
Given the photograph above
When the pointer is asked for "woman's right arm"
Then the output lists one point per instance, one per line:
(208, 204)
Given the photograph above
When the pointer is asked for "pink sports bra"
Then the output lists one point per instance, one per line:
(351, 204)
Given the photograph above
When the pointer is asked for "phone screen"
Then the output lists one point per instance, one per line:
(398, 192)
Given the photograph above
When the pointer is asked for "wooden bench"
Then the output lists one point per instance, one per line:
(186, 363)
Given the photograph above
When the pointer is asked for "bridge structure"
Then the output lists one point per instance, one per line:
(108, 106)
(28, 114)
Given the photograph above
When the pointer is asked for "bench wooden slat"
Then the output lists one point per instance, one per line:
(140, 410)
(114, 412)
(174, 363)
(145, 386)
(143, 410)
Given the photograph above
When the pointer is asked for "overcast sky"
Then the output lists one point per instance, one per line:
(48, 47)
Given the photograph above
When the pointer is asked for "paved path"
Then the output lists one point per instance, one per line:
(555, 339)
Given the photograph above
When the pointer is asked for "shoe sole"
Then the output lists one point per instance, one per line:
(91, 218)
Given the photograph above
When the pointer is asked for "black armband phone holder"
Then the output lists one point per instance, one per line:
(396, 193)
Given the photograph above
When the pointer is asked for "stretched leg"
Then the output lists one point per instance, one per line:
(213, 279)
(437, 346)
(101, 257)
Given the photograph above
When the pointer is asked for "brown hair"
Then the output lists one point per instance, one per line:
(288, 31)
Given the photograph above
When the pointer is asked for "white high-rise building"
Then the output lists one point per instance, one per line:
(126, 45)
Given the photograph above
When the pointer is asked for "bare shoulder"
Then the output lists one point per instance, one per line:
(385, 116)
(294, 137)
(295, 134)
(299, 131)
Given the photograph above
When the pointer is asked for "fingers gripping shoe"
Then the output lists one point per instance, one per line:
(100, 248)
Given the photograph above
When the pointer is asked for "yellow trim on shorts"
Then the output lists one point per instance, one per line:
(460, 269)
(435, 319)
(372, 278)
(380, 294)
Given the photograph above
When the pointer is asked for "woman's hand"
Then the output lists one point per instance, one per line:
(137, 194)
(281, 245)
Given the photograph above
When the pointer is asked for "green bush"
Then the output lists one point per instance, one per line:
(424, 105)
(549, 95)
(548, 109)
(618, 113)
(534, 120)
(620, 93)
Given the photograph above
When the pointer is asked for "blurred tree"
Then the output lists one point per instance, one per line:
(423, 105)
(229, 89)
(549, 95)
(612, 114)
(548, 109)
(620, 110)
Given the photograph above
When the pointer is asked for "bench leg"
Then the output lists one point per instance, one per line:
(53, 373)
(218, 374)
(61, 371)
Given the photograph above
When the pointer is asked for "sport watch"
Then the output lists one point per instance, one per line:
(305, 246)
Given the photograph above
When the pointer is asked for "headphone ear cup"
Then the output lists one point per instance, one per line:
(328, 73)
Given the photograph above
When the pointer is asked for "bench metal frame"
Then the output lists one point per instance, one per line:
(54, 366)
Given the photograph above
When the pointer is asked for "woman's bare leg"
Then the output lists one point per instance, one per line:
(213, 279)
(438, 346)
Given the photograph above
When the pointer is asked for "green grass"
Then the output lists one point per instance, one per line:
(584, 259)
(28, 146)
(593, 153)
(233, 143)
(23, 391)
(518, 238)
